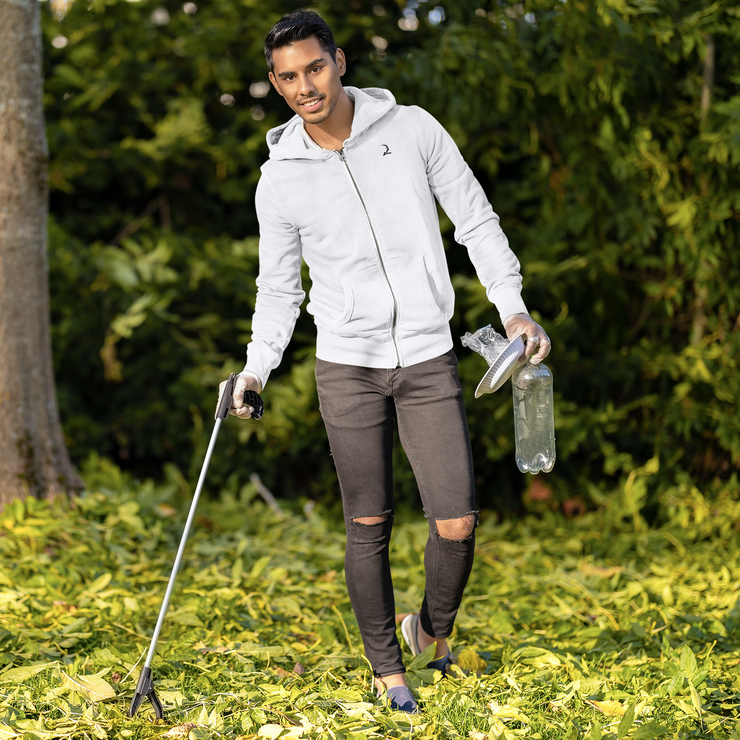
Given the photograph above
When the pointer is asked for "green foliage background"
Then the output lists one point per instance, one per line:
(582, 119)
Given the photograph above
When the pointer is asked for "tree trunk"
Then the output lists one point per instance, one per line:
(33, 457)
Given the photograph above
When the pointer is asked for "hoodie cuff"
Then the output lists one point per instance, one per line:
(509, 301)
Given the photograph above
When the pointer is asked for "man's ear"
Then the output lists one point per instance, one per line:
(274, 83)
(341, 61)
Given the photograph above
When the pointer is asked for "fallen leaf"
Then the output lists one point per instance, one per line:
(201, 647)
(504, 711)
(469, 660)
(538, 657)
(298, 668)
(23, 673)
(650, 731)
(627, 722)
(609, 707)
(271, 731)
(93, 688)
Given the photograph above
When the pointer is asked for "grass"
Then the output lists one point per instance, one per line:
(593, 627)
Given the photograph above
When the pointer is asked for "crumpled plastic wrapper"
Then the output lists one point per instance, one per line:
(486, 342)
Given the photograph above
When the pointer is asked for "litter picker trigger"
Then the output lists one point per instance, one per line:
(253, 399)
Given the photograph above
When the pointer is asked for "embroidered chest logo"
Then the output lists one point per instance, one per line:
(387, 149)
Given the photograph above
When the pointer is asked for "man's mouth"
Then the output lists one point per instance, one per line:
(311, 104)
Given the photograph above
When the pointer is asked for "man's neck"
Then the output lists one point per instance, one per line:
(332, 133)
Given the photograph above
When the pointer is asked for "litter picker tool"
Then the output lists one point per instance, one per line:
(145, 687)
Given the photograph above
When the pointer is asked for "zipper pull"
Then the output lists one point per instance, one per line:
(340, 152)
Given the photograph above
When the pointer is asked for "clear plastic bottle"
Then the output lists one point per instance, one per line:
(534, 418)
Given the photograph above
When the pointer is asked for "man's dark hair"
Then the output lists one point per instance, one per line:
(298, 26)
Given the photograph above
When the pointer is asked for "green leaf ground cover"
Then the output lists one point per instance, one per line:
(594, 627)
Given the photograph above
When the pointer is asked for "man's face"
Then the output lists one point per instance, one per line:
(308, 78)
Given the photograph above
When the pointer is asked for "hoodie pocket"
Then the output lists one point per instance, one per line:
(420, 308)
(367, 307)
(356, 305)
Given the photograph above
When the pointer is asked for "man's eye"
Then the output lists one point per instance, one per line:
(316, 69)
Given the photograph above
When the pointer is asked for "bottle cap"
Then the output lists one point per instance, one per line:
(502, 368)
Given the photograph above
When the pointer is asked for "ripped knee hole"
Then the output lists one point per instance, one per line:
(456, 529)
(370, 521)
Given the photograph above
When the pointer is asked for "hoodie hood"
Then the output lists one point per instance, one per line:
(371, 104)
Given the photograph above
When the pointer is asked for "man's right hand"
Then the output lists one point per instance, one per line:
(244, 382)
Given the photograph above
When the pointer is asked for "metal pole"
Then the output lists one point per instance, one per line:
(183, 542)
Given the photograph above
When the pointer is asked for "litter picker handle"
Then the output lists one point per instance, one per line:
(251, 398)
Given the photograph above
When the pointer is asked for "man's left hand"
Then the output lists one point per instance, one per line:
(537, 345)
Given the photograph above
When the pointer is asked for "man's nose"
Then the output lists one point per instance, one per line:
(306, 86)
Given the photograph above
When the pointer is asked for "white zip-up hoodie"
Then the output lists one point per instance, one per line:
(365, 221)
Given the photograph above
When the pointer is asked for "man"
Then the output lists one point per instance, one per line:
(350, 187)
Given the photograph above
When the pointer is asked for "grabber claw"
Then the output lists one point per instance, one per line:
(145, 690)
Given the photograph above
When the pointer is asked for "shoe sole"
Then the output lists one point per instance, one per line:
(408, 630)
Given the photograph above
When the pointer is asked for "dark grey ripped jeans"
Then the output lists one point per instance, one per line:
(359, 406)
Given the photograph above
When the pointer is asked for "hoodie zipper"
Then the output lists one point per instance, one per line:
(384, 272)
